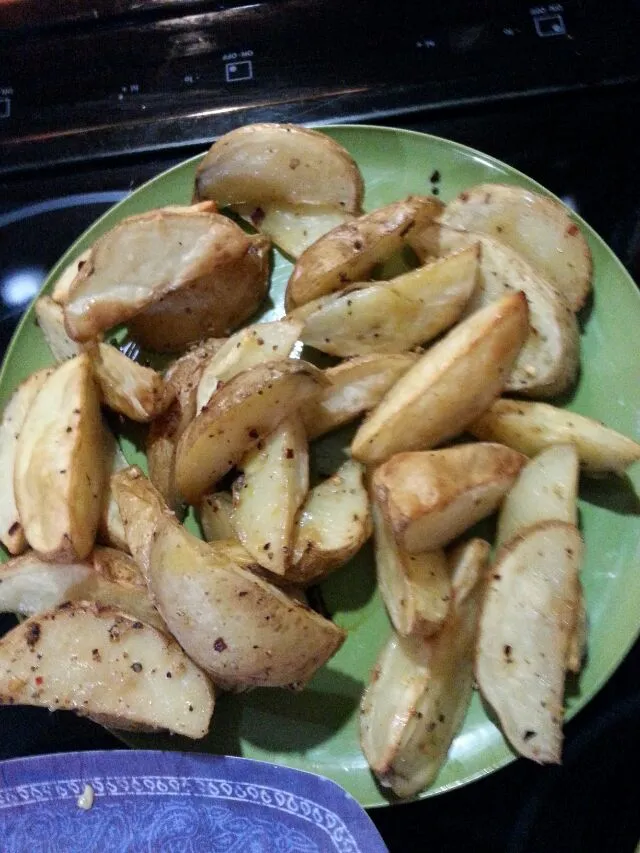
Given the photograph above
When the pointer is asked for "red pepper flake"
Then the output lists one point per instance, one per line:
(39, 680)
(572, 230)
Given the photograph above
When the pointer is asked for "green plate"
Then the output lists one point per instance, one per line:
(317, 729)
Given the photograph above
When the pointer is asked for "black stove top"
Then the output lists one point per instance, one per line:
(118, 76)
(135, 86)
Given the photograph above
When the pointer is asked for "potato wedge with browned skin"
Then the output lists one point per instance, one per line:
(356, 386)
(392, 316)
(125, 386)
(252, 345)
(272, 163)
(239, 415)
(50, 317)
(333, 525)
(96, 661)
(60, 467)
(430, 497)
(243, 631)
(110, 527)
(420, 688)
(349, 253)
(182, 379)
(269, 493)
(530, 427)
(539, 228)
(415, 588)
(31, 585)
(132, 390)
(527, 622)
(546, 489)
(548, 363)
(213, 305)
(146, 257)
(116, 566)
(13, 417)
(579, 639)
(449, 386)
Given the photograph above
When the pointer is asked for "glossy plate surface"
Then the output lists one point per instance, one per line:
(317, 729)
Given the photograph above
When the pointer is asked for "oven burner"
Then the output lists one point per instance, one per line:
(30, 241)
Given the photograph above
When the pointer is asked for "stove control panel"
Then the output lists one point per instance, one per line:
(163, 75)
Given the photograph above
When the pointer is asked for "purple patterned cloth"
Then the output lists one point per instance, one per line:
(175, 802)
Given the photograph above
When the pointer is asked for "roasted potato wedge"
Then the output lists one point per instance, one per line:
(395, 315)
(253, 345)
(528, 619)
(162, 439)
(546, 489)
(110, 528)
(415, 588)
(146, 257)
(30, 585)
(548, 363)
(537, 227)
(216, 517)
(13, 417)
(62, 284)
(349, 252)
(96, 661)
(50, 317)
(213, 305)
(530, 427)
(293, 228)
(449, 386)
(242, 630)
(579, 639)
(420, 689)
(60, 469)
(356, 386)
(240, 414)
(333, 525)
(128, 388)
(429, 498)
(117, 566)
(273, 164)
(268, 495)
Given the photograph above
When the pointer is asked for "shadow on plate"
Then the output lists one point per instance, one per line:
(617, 494)
(271, 720)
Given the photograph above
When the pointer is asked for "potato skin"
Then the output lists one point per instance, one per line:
(270, 163)
(449, 386)
(430, 497)
(97, 661)
(11, 528)
(536, 226)
(530, 427)
(349, 252)
(151, 256)
(242, 630)
(182, 379)
(242, 412)
(213, 305)
(526, 633)
(60, 466)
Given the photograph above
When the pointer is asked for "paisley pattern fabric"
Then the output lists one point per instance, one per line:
(235, 809)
